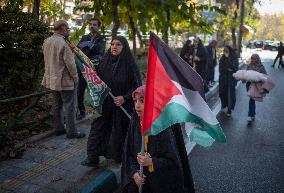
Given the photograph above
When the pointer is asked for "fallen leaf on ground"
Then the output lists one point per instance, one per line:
(56, 178)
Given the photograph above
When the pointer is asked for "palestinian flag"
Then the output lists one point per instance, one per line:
(97, 89)
(174, 94)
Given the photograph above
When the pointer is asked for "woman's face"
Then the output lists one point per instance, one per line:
(139, 104)
(253, 60)
(116, 47)
(195, 43)
(226, 52)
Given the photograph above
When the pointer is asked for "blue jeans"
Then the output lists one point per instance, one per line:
(251, 112)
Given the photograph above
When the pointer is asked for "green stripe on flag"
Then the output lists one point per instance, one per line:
(176, 113)
(201, 137)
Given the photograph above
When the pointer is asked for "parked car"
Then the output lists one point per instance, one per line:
(274, 46)
(258, 44)
(267, 44)
(255, 44)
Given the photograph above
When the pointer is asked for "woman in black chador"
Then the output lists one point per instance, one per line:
(187, 52)
(166, 167)
(200, 58)
(119, 71)
(228, 65)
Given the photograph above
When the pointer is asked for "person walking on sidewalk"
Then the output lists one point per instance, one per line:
(93, 45)
(119, 71)
(279, 56)
(200, 60)
(211, 61)
(166, 170)
(255, 65)
(228, 65)
(61, 76)
(186, 52)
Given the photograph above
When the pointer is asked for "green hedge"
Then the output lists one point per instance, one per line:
(21, 39)
(21, 70)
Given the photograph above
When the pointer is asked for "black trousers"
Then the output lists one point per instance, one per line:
(280, 60)
(80, 94)
(227, 93)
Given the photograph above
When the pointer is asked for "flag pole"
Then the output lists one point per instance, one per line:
(75, 50)
(141, 167)
(121, 107)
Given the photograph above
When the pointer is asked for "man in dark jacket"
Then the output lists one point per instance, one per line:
(93, 45)
(211, 61)
(279, 55)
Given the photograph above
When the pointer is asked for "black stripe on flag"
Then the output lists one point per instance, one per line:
(177, 69)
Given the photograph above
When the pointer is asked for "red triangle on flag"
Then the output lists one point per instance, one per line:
(159, 89)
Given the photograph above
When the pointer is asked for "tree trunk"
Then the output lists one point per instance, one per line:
(220, 38)
(36, 7)
(115, 16)
(140, 38)
(234, 38)
(240, 36)
(132, 26)
(166, 28)
(133, 30)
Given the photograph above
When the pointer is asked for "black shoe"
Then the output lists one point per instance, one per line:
(76, 135)
(91, 162)
(60, 132)
(80, 117)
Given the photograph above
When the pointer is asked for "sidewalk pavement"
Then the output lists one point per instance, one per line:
(51, 164)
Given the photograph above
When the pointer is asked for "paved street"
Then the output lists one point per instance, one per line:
(253, 157)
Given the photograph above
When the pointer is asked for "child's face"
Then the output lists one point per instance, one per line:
(139, 104)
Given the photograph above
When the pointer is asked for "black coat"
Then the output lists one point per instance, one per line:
(210, 61)
(122, 76)
(185, 54)
(228, 66)
(201, 66)
(93, 47)
(168, 175)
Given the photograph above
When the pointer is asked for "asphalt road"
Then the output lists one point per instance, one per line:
(252, 160)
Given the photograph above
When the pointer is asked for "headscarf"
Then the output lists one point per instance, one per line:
(140, 90)
(258, 60)
(258, 66)
(186, 48)
(124, 58)
(231, 51)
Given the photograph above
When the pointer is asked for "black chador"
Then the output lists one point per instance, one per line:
(108, 132)
(170, 171)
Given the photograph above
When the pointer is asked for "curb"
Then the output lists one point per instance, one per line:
(106, 182)
(45, 134)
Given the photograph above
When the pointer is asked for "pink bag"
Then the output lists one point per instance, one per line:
(268, 85)
(256, 92)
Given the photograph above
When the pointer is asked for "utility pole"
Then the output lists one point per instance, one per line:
(240, 35)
